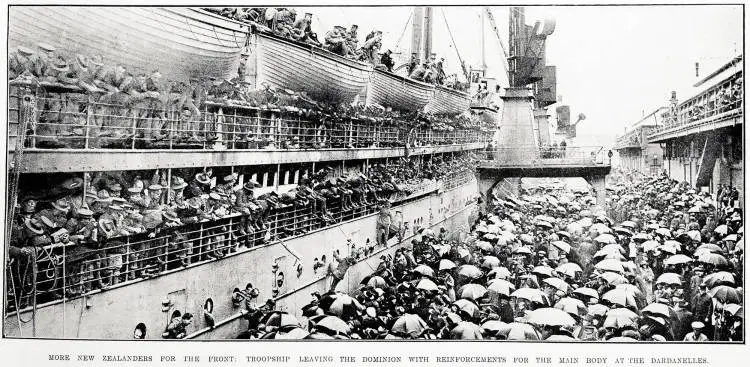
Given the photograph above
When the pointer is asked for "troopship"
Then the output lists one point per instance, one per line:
(148, 204)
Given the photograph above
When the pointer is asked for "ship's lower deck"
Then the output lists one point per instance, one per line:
(282, 270)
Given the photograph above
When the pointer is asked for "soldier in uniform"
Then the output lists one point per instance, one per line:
(371, 47)
(335, 41)
(20, 63)
(58, 214)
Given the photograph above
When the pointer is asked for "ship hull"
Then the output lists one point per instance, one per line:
(448, 102)
(321, 74)
(179, 42)
(398, 92)
(188, 289)
(488, 115)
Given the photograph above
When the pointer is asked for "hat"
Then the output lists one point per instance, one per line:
(85, 213)
(135, 189)
(697, 325)
(114, 187)
(115, 207)
(339, 27)
(171, 216)
(156, 187)
(46, 47)
(33, 225)
(231, 178)
(28, 206)
(72, 183)
(103, 196)
(178, 183)
(120, 201)
(61, 204)
(25, 51)
(194, 203)
(214, 196)
(251, 184)
(202, 178)
(47, 222)
(371, 311)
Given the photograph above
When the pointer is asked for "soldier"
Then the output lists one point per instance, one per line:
(42, 61)
(58, 214)
(302, 28)
(387, 61)
(20, 63)
(371, 47)
(352, 39)
(335, 41)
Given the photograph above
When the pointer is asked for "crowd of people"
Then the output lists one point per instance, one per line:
(550, 265)
(186, 114)
(110, 227)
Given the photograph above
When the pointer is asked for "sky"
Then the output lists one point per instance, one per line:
(614, 63)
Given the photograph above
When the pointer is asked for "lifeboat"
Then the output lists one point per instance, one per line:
(323, 75)
(179, 42)
(448, 101)
(398, 92)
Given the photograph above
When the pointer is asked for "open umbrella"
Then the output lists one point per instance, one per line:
(499, 272)
(296, 333)
(609, 253)
(672, 244)
(725, 294)
(446, 264)
(466, 331)
(543, 224)
(519, 331)
(377, 282)
(531, 294)
(562, 245)
(623, 230)
(427, 285)
(641, 237)
(714, 259)
(551, 317)
(731, 238)
(628, 224)
(619, 318)
(557, 283)
(543, 270)
(424, 270)
(587, 292)
(600, 228)
(345, 304)
(610, 265)
(694, 235)
(280, 319)
(710, 247)
(569, 269)
(620, 296)
(470, 271)
(719, 278)
(660, 309)
(605, 238)
(677, 259)
(490, 262)
(409, 324)
(598, 309)
(650, 245)
(332, 325)
(564, 234)
(614, 247)
(572, 306)
(722, 229)
(734, 310)
(526, 238)
(669, 278)
(522, 250)
(484, 246)
(492, 327)
(472, 291)
(468, 307)
(664, 232)
(500, 286)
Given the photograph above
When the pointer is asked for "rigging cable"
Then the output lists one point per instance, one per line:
(463, 66)
(404, 30)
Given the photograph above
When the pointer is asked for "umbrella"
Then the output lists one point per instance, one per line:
(622, 339)
(333, 324)
(319, 336)
(446, 264)
(598, 309)
(280, 319)
(424, 270)
(623, 230)
(562, 245)
(519, 331)
(585, 222)
(619, 318)
(543, 224)
(641, 237)
(601, 228)
(560, 338)
(731, 238)
(614, 247)
(673, 244)
(734, 310)
(557, 283)
(472, 291)
(543, 270)
(500, 286)
(714, 259)
(522, 250)
(572, 306)
(669, 278)
(609, 253)
(631, 287)
(467, 306)
(664, 232)
(296, 333)
(545, 218)
(409, 324)
(565, 234)
(526, 238)
(344, 304)
(610, 265)
(587, 292)
(620, 296)
(377, 282)
(605, 238)
(426, 284)
(492, 327)
(499, 272)
(677, 259)
(628, 224)
(660, 309)
(710, 247)
(569, 269)
(650, 245)
(722, 229)
(551, 317)
(725, 294)
(720, 278)
(470, 271)
(466, 331)
(531, 294)
(484, 246)
(694, 235)
(490, 262)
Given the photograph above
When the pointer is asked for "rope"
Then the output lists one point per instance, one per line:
(463, 67)
(404, 30)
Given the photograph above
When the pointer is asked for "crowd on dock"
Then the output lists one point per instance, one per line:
(111, 227)
(666, 265)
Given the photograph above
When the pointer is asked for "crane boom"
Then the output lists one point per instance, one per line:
(491, 18)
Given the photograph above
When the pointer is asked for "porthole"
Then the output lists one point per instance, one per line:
(140, 331)
(209, 305)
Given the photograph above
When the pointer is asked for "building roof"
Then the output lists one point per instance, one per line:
(722, 72)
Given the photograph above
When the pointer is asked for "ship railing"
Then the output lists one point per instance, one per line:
(544, 156)
(59, 120)
(720, 102)
(70, 270)
(457, 179)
